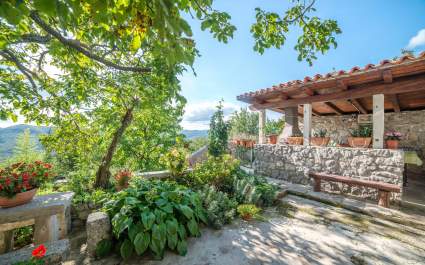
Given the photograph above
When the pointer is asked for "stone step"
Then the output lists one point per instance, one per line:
(409, 219)
(363, 223)
(57, 251)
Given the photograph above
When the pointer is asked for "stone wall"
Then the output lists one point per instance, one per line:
(293, 163)
(410, 123)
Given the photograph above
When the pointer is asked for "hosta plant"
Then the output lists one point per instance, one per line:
(154, 214)
(21, 177)
(220, 209)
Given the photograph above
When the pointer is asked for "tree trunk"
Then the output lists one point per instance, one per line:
(103, 174)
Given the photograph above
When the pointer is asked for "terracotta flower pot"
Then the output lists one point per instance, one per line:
(359, 142)
(247, 217)
(295, 140)
(319, 141)
(392, 144)
(272, 138)
(18, 199)
(249, 143)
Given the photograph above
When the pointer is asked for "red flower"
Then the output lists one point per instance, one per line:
(39, 252)
(46, 174)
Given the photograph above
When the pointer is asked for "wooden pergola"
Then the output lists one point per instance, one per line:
(391, 86)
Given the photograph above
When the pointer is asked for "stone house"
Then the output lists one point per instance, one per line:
(389, 96)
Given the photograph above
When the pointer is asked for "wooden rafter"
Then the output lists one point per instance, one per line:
(387, 76)
(334, 108)
(396, 103)
(356, 103)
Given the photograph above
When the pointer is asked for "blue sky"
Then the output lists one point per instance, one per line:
(372, 30)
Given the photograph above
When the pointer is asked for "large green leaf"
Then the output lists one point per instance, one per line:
(46, 6)
(148, 219)
(182, 232)
(187, 211)
(193, 227)
(172, 240)
(126, 249)
(182, 247)
(134, 230)
(141, 242)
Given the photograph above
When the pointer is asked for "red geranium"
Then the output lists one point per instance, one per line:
(39, 252)
(21, 177)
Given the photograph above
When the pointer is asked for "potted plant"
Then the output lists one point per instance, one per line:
(273, 129)
(393, 139)
(19, 182)
(295, 139)
(248, 211)
(122, 179)
(361, 137)
(319, 138)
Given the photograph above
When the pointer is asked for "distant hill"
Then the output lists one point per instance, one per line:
(190, 134)
(8, 137)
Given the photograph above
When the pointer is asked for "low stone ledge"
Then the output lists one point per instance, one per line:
(98, 228)
(57, 252)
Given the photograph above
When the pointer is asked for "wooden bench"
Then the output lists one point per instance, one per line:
(384, 189)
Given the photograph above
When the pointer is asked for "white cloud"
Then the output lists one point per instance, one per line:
(418, 40)
(197, 115)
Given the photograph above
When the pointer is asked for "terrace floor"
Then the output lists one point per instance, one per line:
(299, 231)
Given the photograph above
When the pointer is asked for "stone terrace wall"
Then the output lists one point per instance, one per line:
(293, 163)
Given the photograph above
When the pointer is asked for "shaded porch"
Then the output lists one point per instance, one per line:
(389, 96)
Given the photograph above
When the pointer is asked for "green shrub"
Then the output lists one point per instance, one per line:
(154, 214)
(253, 189)
(220, 209)
(176, 161)
(248, 211)
(216, 171)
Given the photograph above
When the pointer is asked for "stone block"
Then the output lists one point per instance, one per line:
(98, 228)
(57, 252)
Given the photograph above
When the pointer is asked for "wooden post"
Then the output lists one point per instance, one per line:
(308, 110)
(261, 126)
(317, 185)
(384, 198)
(378, 121)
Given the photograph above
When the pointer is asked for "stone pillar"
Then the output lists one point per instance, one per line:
(261, 126)
(291, 123)
(378, 121)
(46, 229)
(98, 228)
(307, 123)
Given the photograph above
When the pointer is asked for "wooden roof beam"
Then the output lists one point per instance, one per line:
(410, 84)
(334, 108)
(394, 100)
(387, 76)
(356, 104)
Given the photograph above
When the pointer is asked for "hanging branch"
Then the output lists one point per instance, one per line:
(78, 46)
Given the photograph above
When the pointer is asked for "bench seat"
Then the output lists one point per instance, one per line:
(384, 189)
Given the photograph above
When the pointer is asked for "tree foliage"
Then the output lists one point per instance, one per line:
(218, 134)
(244, 124)
(98, 70)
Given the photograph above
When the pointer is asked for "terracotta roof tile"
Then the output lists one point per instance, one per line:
(319, 77)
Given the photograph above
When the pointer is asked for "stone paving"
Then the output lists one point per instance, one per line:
(299, 231)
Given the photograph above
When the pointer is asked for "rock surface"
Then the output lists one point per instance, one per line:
(293, 163)
(98, 228)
